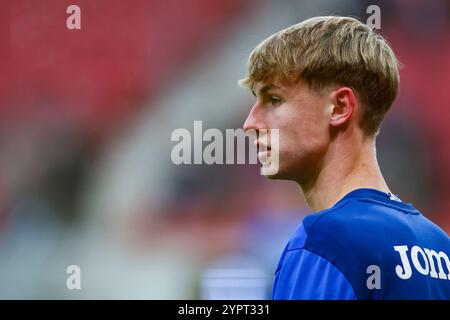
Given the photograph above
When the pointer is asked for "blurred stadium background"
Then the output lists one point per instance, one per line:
(85, 123)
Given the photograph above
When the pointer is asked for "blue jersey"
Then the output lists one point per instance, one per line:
(369, 245)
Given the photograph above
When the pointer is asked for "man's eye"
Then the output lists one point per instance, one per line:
(274, 101)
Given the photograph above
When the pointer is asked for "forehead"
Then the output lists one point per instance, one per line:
(261, 88)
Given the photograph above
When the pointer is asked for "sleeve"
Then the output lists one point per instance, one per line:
(307, 276)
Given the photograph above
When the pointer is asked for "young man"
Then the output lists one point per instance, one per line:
(326, 84)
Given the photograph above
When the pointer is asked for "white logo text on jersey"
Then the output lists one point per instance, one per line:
(427, 262)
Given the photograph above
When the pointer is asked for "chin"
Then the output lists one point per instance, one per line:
(280, 176)
(284, 172)
(272, 174)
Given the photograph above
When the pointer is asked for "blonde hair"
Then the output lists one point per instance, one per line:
(331, 50)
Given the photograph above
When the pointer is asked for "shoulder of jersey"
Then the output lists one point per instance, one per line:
(352, 220)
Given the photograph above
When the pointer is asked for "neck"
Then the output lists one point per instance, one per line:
(344, 168)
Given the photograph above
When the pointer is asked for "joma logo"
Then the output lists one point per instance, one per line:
(426, 265)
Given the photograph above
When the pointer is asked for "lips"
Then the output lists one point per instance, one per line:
(264, 152)
(261, 146)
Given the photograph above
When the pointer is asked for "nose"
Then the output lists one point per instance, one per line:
(255, 119)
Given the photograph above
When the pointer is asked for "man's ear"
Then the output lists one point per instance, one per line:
(343, 102)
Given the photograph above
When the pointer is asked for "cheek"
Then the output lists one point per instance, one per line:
(305, 120)
(304, 129)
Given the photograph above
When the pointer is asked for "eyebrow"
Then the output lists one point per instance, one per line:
(265, 88)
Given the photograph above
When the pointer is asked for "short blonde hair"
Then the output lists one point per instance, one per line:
(331, 50)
